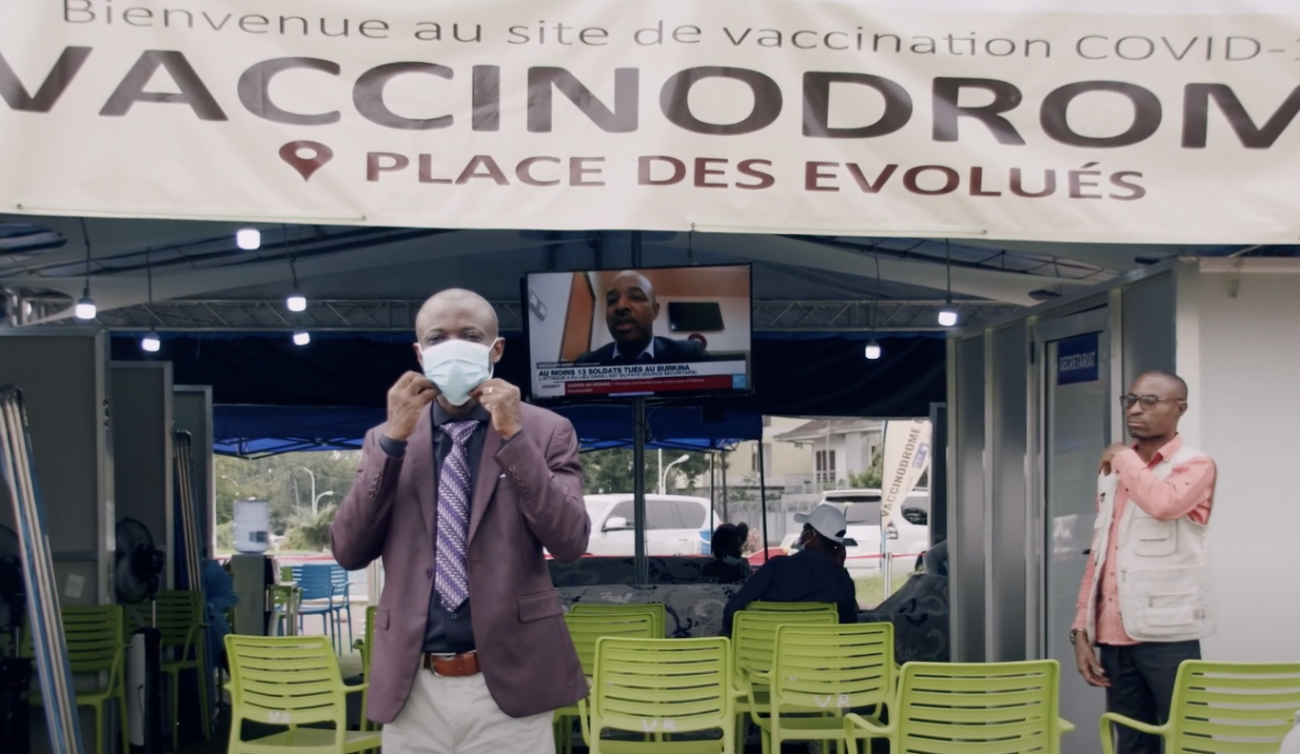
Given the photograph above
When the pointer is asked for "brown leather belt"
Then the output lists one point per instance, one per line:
(456, 666)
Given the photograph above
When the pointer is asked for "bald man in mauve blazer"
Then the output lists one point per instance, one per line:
(449, 682)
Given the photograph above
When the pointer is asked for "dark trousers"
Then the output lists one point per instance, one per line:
(1142, 687)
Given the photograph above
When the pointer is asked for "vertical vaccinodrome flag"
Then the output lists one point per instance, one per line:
(907, 456)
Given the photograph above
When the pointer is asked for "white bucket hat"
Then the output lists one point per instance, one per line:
(829, 521)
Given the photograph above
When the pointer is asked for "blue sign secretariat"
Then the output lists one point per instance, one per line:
(1076, 359)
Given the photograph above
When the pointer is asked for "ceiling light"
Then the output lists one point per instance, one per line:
(150, 342)
(873, 350)
(301, 338)
(296, 301)
(948, 314)
(248, 239)
(86, 305)
(85, 308)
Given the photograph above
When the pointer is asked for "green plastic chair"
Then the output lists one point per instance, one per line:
(184, 646)
(958, 708)
(292, 682)
(367, 647)
(821, 672)
(657, 609)
(753, 644)
(796, 607)
(586, 629)
(94, 636)
(660, 689)
(285, 598)
(1223, 707)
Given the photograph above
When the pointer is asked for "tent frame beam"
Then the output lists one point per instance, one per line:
(336, 315)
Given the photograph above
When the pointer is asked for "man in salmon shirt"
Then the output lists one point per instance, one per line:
(1146, 599)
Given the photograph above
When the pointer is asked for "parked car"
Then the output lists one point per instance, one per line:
(908, 535)
(675, 525)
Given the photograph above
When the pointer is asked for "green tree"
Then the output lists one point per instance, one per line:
(695, 471)
(610, 471)
(226, 536)
(873, 477)
(607, 470)
(284, 482)
(309, 533)
(870, 478)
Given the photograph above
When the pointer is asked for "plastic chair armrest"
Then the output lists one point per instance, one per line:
(750, 679)
(191, 639)
(855, 724)
(749, 693)
(356, 688)
(739, 688)
(584, 721)
(1128, 722)
(1063, 725)
(1110, 719)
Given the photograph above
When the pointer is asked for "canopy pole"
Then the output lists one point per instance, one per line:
(726, 512)
(713, 492)
(762, 495)
(640, 563)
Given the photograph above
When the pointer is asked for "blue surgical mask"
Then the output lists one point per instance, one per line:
(456, 367)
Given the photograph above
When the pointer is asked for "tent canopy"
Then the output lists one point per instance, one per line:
(185, 276)
(199, 260)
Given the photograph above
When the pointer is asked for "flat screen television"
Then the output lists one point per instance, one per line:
(658, 331)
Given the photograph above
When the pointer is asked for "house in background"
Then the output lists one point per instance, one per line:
(780, 460)
(783, 464)
(835, 450)
(802, 458)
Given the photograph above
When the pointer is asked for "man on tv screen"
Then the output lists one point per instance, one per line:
(630, 313)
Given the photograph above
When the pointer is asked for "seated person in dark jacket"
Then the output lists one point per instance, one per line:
(936, 559)
(727, 566)
(814, 574)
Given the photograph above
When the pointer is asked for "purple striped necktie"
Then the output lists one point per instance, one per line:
(452, 581)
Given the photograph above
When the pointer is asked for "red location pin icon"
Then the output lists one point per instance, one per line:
(306, 156)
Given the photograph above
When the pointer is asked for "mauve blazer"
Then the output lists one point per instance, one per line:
(527, 495)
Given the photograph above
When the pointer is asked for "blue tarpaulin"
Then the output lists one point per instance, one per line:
(273, 397)
(266, 430)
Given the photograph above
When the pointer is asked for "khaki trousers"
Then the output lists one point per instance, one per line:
(446, 715)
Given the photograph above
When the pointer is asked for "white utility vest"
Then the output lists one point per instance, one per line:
(1165, 590)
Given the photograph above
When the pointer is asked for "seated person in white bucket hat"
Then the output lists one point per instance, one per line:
(813, 574)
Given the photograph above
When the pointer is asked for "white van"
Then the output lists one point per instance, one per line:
(908, 534)
(675, 525)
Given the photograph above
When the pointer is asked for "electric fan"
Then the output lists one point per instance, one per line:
(138, 564)
(136, 571)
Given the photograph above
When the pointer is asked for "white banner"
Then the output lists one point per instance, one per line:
(1000, 119)
(907, 456)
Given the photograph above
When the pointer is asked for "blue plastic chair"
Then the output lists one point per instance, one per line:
(339, 578)
(317, 585)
